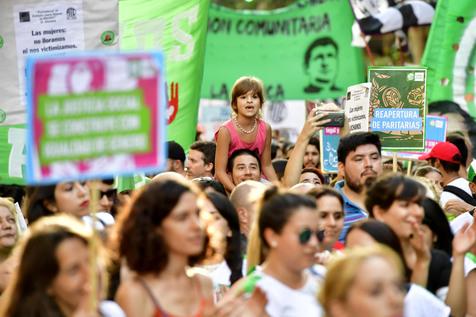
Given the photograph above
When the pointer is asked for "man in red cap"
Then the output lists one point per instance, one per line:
(446, 157)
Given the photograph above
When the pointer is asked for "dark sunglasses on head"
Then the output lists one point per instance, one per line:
(306, 234)
(110, 194)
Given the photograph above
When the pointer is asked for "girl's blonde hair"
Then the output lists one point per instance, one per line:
(9, 204)
(342, 272)
(244, 84)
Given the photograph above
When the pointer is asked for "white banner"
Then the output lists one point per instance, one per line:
(47, 27)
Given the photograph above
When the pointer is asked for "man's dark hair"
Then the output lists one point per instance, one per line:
(322, 41)
(460, 143)
(240, 152)
(175, 151)
(315, 141)
(450, 167)
(445, 106)
(208, 149)
(279, 166)
(352, 141)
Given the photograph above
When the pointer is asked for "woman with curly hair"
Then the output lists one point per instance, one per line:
(160, 237)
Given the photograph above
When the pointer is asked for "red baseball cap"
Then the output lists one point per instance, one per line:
(444, 151)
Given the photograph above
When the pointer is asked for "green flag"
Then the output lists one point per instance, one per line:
(178, 27)
(12, 152)
(450, 54)
(300, 52)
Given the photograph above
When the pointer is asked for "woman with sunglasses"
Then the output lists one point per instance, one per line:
(288, 226)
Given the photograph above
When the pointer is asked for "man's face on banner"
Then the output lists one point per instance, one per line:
(322, 69)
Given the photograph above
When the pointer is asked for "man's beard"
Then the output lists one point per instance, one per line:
(359, 187)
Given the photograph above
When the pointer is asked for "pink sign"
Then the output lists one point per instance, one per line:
(95, 115)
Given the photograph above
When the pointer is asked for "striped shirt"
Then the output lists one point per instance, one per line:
(352, 212)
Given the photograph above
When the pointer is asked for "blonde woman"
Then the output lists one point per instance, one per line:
(9, 233)
(365, 282)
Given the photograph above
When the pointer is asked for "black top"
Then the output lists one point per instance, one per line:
(439, 272)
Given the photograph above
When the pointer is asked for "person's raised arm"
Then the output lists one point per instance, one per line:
(268, 169)
(221, 159)
(294, 166)
(456, 298)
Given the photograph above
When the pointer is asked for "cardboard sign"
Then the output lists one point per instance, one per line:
(357, 107)
(436, 127)
(329, 143)
(95, 115)
(398, 106)
(48, 27)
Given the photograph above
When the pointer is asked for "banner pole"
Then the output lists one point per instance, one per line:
(93, 247)
(395, 162)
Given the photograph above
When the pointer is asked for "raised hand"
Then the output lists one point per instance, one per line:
(464, 240)
(417, 241)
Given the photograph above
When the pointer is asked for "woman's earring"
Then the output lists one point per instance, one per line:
(274, 244)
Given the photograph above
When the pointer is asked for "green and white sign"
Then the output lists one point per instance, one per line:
(450, 54)
(300, 52)
(12, 149)
(178, 28)
(398, 106)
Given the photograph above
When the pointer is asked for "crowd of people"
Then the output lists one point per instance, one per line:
(249, 226)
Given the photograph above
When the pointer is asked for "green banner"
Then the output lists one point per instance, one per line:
(398, 106)
(450, 54)
(12, 152)
(300, 52)
(178, 27)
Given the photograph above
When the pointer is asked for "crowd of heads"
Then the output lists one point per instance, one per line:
(234, 229)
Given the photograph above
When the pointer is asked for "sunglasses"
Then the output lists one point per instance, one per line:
(306, 234)
(110, 194)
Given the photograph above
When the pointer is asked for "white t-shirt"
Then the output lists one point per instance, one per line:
(469, 265)
(458, 223)
(110, 309)
(419, 302)
(284, 301)
(104, 219)
(461, 183)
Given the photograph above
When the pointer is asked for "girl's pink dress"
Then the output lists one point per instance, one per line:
(237, 144)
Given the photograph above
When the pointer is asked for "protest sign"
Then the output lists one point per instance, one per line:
(178, 28)
(398, 106)
(13, 150)
(329, 143)
(287, 117)
(95, 115)
(436, 127)
(211, 115)
(357, 107)
(47, 27)
(300, 52)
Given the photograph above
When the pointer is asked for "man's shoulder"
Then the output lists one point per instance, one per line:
(349, 205)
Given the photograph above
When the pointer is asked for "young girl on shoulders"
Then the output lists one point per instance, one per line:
(244, 131)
